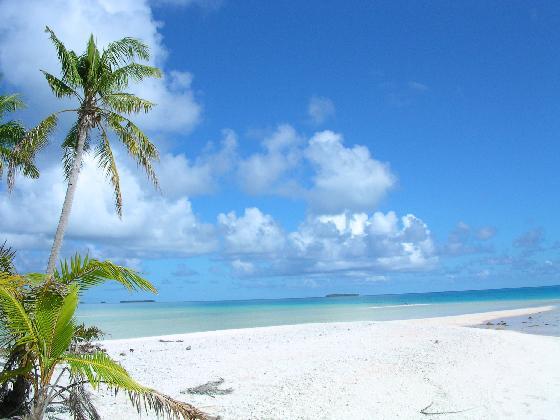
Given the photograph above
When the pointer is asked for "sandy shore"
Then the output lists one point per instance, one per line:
(357, 370)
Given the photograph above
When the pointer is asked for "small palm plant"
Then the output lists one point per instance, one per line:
(96, 80)
(18, 146)
(39, 325)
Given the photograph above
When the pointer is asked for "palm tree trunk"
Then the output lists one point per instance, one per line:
(83, 128)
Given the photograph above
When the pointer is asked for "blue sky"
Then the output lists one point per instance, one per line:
(314, 147)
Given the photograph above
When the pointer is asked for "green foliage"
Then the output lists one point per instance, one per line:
(88, 334)
(18, 147)
(97, 80)
(7, 256)
(38, 321)
(87, 272)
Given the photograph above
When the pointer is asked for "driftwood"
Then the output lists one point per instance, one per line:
(435, 413)
(211, 388)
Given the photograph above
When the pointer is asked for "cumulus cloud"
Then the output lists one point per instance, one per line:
(347, 244)
(320, 109)
(356, 245)
(25, 48)
(252, 233)
(346, 178)
(341, 178)
(179, 176)
(265, 172)
(151, 226)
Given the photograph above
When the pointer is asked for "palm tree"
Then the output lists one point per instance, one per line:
(42, 326)
(97, 81)
(18, 146)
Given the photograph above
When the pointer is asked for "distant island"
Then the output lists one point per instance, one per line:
(341, 295)
(138, 301)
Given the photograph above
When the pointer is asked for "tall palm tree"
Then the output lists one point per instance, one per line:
(44, 326)
(97, 80)
(18, 146)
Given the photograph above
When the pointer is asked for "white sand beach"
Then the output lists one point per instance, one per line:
(356, 370)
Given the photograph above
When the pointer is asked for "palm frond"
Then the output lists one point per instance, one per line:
(138, 145)
(10, 103)
(79, 403)
(107, 163)
(69, 146)
(11, 132)
(161, 404)
(7, 375)
(16, 320)
(124, 50)
(24, 152)
(93, 60)
(127, 103)
(55, 323)
(68, 60)
(99, 368)
(88, 272)
(58, 87)
(119, 79)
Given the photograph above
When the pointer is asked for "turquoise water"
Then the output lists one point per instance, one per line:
(160, 318)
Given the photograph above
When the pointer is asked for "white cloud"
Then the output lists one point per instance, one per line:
(345, 178)
(262, 172)
(342, 178)
(242, 268)
(350, 245)
(179, 176)
(252, 233)
(205, 4)
(25, 48)
(320, 109)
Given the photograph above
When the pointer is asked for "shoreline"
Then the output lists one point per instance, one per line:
(471, 319)
(358, 369)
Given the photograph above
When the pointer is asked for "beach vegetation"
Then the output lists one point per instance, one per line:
(44, 345)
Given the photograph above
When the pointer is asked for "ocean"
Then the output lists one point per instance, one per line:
(160, 318)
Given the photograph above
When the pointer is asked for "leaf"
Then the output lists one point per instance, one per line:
(17, 321)
(138, 145)
(127, 103)
(27, 147)
(58, 87)
(54, 322)
(6, 375)
(107, 163)
(124, 50)
(91, 272)
(68, 61)
(99, 368)
(10, 103)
